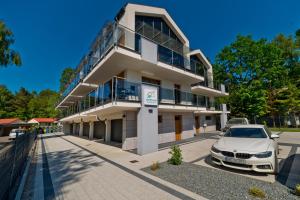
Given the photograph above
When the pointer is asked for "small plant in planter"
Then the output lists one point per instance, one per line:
(257, 192)
(297, 189)
(176, 156)
(155, 166)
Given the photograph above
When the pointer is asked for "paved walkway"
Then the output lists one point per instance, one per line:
(66, 170)
(68, 167)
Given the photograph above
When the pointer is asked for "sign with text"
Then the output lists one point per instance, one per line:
(149, 95)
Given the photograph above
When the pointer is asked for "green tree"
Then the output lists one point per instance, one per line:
(8, 56)
(67, 74)
(21, 100)
(43, 104)
(250, 68)
(6, 103)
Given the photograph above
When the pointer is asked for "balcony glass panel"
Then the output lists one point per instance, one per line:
(166, 96)
(92, 98)
(127, 91)
(164, 55)
(107, 92)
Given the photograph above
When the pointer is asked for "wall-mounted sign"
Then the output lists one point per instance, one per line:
(149, 95)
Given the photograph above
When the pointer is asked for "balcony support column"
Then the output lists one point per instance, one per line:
(91, 131)
(107, 130)
(223, 117)
(81, 129)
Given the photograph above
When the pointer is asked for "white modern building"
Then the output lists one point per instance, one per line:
(141, 85)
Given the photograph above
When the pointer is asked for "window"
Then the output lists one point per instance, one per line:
(155, 28)
(246, 133)
(159, 119)
(207, 118)
(150, 81)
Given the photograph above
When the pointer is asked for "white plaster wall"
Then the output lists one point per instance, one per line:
(211, 124)
(187, 134)
(166, 137)
(167, 84)
(129, 143)
(133, 76)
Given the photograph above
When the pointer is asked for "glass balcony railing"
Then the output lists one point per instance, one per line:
(116, 35)
(121, 90)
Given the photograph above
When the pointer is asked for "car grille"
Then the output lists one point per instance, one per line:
(237, 165)
(228, 153)
(243, 155)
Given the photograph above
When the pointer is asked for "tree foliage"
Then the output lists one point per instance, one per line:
(6, 102)
(25, 105)
(8, 56)
(263, 76)
(65, 78)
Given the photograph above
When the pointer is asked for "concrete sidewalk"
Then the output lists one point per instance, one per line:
(66, 170)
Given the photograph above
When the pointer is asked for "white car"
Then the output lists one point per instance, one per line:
(235, 121)
(13, 133)
(247, 147)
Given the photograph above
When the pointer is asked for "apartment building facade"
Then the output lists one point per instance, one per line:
(141, 85)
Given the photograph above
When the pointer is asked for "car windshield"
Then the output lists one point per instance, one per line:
(246, 133)
(237, 121)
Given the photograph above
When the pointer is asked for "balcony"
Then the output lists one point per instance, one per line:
(119, 92)
(209, 88)
(117, 48)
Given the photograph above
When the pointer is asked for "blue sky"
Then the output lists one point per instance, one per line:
(53, 34)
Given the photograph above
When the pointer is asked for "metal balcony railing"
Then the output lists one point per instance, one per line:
(114, 34)
(121, 90)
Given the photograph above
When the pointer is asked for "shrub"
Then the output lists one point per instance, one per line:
(155, 166)
(176, 156)
(297, 189)
(257, 192)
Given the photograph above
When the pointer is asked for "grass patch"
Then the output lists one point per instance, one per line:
(257, 192)
(285, 129)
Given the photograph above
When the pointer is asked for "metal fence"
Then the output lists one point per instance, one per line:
(13, 158)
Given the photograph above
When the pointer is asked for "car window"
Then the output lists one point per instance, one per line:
(237, 121)
(246, 133)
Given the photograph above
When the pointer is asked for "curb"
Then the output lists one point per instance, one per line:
(25, 174)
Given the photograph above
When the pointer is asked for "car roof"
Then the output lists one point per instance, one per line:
(248, 126)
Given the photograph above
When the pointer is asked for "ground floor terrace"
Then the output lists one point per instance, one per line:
(121, 128)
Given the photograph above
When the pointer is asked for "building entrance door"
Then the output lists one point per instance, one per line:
(178, 127)
(116, 130)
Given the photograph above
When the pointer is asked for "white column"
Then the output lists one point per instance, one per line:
(223, 117)
(74, 129)
(65, 128)
(147, 130)
(91, 133)
(81, 129)
(107, 130)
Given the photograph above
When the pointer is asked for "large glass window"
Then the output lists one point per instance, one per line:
(155, 28)
(165, 55)
(197, 66)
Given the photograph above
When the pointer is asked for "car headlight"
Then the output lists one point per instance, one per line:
(264, 154)
(214, 149)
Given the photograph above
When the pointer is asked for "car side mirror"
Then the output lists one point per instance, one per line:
(274, 136)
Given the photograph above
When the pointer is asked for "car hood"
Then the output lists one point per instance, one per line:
(251, 145)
